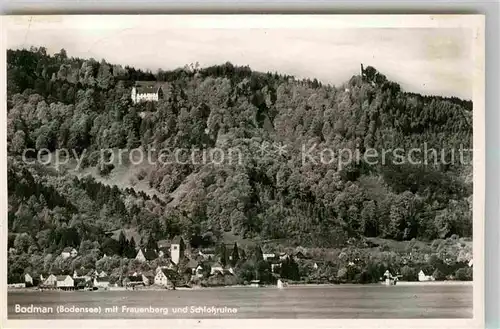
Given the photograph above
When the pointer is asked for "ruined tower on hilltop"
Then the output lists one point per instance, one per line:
(363, 74)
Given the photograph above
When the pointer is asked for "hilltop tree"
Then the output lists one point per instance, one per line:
(235, 255)
(123, 243)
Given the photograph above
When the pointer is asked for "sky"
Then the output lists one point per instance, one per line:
(432, 61)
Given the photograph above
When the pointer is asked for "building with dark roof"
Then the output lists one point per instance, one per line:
(165, 277)
(144, 91)
(146, 255)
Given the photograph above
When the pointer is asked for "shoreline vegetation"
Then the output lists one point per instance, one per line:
(293, 285)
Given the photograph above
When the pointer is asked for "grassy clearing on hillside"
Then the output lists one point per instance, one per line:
(123, 175)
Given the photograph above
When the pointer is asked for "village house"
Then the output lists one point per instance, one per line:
(145, 91)
(51, 281)
(65, 282)
(228, 270)
(177, 249)
(164, 277)
(28, 279)
(268, 256)
(423, 277)
(146, 255)
(69, 252)
(101, 282)
(102, 274)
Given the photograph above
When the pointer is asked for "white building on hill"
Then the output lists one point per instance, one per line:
(145, 91)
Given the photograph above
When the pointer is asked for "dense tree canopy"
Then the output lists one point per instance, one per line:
(84, 105)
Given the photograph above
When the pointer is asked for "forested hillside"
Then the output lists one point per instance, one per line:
(59, 102)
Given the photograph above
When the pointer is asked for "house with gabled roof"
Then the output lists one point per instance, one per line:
(101, 282)
(28, 279)
(165, 278)
(146, 255)
(65, 282)
(423, 277)
(198, 271)
(50, 281)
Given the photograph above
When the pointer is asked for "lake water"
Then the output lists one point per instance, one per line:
(342, 301)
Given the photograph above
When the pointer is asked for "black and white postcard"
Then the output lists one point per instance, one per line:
(212, 171)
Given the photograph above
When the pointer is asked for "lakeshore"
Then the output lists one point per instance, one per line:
(158, 288)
